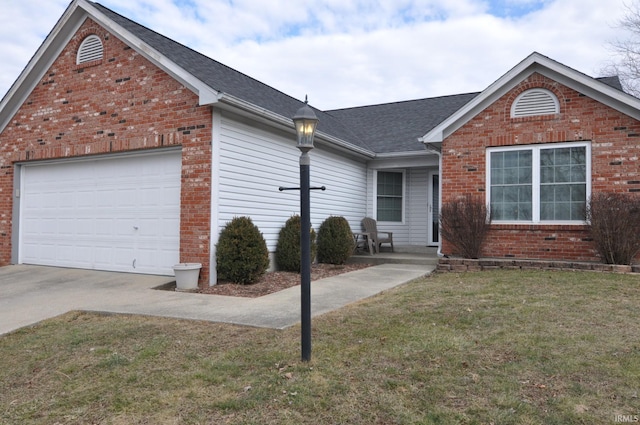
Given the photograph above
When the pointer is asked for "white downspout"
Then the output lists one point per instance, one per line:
(216, 124)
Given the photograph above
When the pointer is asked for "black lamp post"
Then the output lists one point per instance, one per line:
(305, 121)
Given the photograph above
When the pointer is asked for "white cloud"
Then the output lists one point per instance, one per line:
(23, 27)
(347, 53)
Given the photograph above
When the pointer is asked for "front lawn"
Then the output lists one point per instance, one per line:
(504, 347)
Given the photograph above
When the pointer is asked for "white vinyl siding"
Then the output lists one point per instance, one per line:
(413, 230)
(255, 162)
(417, 207)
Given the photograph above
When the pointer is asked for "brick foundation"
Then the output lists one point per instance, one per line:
(470, 265)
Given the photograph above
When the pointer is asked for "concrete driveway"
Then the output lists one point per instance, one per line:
(29, 294)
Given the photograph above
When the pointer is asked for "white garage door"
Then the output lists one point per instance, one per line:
(120, 213)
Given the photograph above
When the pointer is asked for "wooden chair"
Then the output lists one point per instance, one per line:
(371, 227)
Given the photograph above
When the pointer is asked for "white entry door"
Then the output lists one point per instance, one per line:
(119, 213)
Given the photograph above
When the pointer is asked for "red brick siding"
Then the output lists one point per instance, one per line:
(121, 103)
(615, 149)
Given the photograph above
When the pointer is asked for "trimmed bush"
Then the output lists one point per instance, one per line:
(335, 241)
(614, 225)
(288, 248)
(465, 224)
(241, 253)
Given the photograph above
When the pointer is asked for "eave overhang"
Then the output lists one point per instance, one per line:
(535, 63)
(73, 17)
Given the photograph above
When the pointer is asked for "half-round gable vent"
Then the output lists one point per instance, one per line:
(535, 102)
(90, 50)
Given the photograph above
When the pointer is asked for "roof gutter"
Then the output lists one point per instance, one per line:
(286, 123)
(409, 154)
(206, 94)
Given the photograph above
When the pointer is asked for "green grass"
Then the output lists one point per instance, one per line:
(504, 347)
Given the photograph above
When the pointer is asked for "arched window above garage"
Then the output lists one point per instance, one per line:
(90, 50)
(535, 102)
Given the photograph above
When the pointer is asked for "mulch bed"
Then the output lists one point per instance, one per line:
(277, 281)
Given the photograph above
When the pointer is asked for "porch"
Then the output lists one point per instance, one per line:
(410, 254)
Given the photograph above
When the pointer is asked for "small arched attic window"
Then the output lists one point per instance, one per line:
(90, 50)
(535, 102)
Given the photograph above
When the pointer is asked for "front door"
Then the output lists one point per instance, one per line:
(434, 208)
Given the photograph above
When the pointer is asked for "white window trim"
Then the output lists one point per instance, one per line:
(535, 181)
(404, 195)
(529, 92)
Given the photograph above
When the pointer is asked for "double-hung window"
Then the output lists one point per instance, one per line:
(541, 183)
(390, 194)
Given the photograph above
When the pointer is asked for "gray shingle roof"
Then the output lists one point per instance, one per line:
(612, 81)
(385, 128)
(227, 80)
(396, 127)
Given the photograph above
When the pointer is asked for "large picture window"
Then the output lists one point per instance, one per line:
(542, 183)
(390, 196)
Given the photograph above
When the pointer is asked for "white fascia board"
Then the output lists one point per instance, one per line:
(41, 61)
(556, 71)
(66, 27)
(596, 90)
(207, 95)
(253, 111)
(342, 145)
(408, 154)
(404, 160)
(470, 110)
(477, 104)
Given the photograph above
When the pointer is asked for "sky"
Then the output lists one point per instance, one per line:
(346, 53)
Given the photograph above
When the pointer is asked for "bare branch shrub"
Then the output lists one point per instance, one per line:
(625, 61)
(465, 223)
(614, 224)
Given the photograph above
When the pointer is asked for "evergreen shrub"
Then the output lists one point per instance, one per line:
(241, 253)
(335, 241)
(288, 248)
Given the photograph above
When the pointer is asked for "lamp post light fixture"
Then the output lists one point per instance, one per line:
(305, 122)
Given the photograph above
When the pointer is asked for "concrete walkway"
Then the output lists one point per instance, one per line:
(29, 294)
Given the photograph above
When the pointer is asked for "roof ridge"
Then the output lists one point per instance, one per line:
(403, 101)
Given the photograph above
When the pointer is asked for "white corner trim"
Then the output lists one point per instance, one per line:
(216, 125)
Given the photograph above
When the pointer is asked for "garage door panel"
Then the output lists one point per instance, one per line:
(85, 227)
(119, 214)
(103, 226)
(80, 253)
(86, 200)
(147, 257)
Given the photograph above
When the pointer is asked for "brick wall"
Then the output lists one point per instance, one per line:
(615, 149)
(120, 103)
